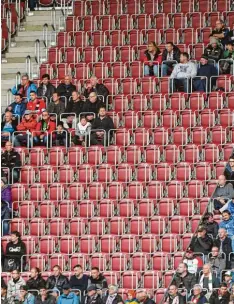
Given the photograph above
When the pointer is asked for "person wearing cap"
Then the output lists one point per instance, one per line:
(213, 51)
(45, 297)
(220, 32)
(17, 107)
(25, 296)
(97, 279)
(92, 296)
(226, 65)
(173, 296)
(27, 127)
(184, 279)
(223, 192)
(113, 297)
(220, 296)
(228, 279)
(57, 279)
(35, 104)
(207, 279)
(193, 263)
(224, 243)
(201, 242)
(217, 260)
(197, 295)
(204, 74)
(11, 159)
(67, 297)
(131, 297)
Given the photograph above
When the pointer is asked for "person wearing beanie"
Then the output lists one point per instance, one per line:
(213, 51)
(131, 297)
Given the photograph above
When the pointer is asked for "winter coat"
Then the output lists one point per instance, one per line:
(11, 159)
(213, 53)
(212, 228)
(100, 282)
(71, 298)
(100, 89)
(39, 106)
(225, 192)
(184, 70)
(6, 195)
(217, 263)
(58, 282)
(49, 300)
(214, 298)
(202, 299)
(24, 91)
(202, 245)
(227, 54)
(226, 248)
(50, 89)
(176, 54)
(56, 108)
(170, 300)
(14, 254)
(223, 31)
(90, 107)
(13, 287)
(80, 284)
(104, 124)
(207, 70)
(36, 283)
(116, 300)
(228, 225)
(229, 174)
(29, 299)
(157, 57)
(5, 128)
(27, 125)
(74, 107)
(96, 299)
(17, 108)
(187, 281)
(51, 126)
(65, 90)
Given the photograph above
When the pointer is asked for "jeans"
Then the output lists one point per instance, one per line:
(19, 139)
(44, 141)
(148, 70)
(5, 227)
(200, 85)
(175, 84)
(165, 69)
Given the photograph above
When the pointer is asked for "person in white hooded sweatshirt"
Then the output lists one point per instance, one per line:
(182, 73)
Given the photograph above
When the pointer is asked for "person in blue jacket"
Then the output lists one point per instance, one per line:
(230, 206)
(228, 224)
(17, 107)
(25, 88)
(26, 297)
(68, 297)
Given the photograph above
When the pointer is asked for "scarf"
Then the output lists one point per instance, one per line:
(210, 285)
(111, 298)
(175, 300)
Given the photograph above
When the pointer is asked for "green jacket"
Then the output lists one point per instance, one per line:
(228, 54)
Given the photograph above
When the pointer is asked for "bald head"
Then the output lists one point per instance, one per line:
(222, 233)
(8, 116)
(93, 81)
(222, 180)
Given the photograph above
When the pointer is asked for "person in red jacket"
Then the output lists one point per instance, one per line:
(152, 59)
(44, 129)
(36, 105)
(27, 126)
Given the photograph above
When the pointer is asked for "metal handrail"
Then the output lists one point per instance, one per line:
(8, 17)
(17, 78)
(37, 51)
(45, 34)
(28, 65)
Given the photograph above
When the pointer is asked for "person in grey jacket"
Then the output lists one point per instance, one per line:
(56, 106)
(13, 286)
(223, 193)
(182, 73)
(217, 260)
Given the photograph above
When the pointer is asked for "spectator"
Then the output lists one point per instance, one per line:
(6, 191)
(4, 299)
(205, 72)
(61, 136)
(27, 126)
(5, 217)
(232, 295)
(11, 159)
(212, 226)
(226, 66)
(102, 122)
(220, 32)
(66, 88)
(207, 279)
(8, 126)
(44, 297)
(223, 193)
(229, 206)
(228, 279)
(57, 279)
(170, 54)
(56, 106)
(197, 295)
(183, 279)
(193, 263)
(173, 296)
(82, 131)
(36, 105)
(67, 297)
(201, 242)
(44, 129)
(217, 260)
(69, 122)
(79, 280)
(55, 293)
(224, 243)
(131, 297)
(230, 35)
(227, 223)
(97, 279)
(213, 51)
(92, 105)
(182, 73)
(36, 281)
(46, 88)
(15, 250)
(25, 88)
(13, 286)
(25, 296)
(221, 296)
(75, 105)
(152, 59)
(113, 297)
(92, 296)
(17, 107)
(229, 170)
(98, 88)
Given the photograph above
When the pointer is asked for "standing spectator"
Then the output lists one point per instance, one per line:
(25, 296)
(217, 260)
(66, 88)
(207, 279)
(226, 66)
(44, 297)
(173, 296)
(92, 105)
(25, 88)
(6, 191)
(82, 131)
(152, 59)
(227, 223)
(205, 72)
(221, 296)
(170, 55)
(197, 295)
(183, 279)
(46, 88)
(228, 279)
(44, 129)
(27, 126)
(79, 280)
(8, 126)
(15, 250)
(67, 297)
(97, 279)
(11, 159)
(13, 286)
(143, 297)
(182, 74)
(229, 170)
(113, 297)
(211, 225)
(131, 297)
(220, 32)
(35, 104)
(102, 122)
(5, 217)
(36, 281)
(201, 242)
(224, 243)
(98, 88)
(75, 105)
(4, 299)
(61, 136)
(92, 296)
(213, 51)
(223, 193)
(17, 107)
(193, 262)
(56, 106)
(57, 280)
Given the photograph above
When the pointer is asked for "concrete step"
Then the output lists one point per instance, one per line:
(8, 78)
(22, 53)
(17, 60)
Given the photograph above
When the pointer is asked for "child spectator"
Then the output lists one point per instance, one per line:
(131, 297)
(82, 131)
(61, 138)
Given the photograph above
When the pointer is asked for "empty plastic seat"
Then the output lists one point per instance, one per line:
(119, 261)
(128, 243)
(108, 244)
(130, 279)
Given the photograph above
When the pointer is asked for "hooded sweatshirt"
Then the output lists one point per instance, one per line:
(71, 298)
(13, 287)
(229, 226)
(184, 70)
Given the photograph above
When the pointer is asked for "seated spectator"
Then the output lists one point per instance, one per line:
(227, 223)
(224, 243)
(79, 280)
(197, 295)
(44, 297)
(230, 34)
(36, 105)
(232, 295)
(28, 127)
(193, 262)
(220, 296)
(217, 261)
(170, 54)
(69, 122)
(25, 88)
(13, 286)
(131, 297)
(25, 296)
(201, 242)
(46, 88)
(75, 105)
(11, 159)
(213, 51)
(57, 280)
(220, 32)
(6, 191)
(97, 279)
(208, 280)
(66, 88)
(212, 226)
(61, 136)
(152, 59)
(4, 299)
(182, 73)
(92, 296)
(44, 129)
(67, 296)
(229, 206)
(92, 105)
(205, 72)
(98, 88)
(113, 296)
(36, 281)
(56, 106)
(17, 107)
(229, 170)
(5, 217)
(228, 280)
(102, 122)
(55, 293)
(183, 279)
(8, 126)
(82, 131)
(174, 296)
(226, 66)
(223, 193)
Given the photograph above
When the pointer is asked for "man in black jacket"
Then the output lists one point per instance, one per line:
(75, 105)
(224, 243)
(44, 297)
(66, 88)
(102, 122)
(57, 279)
(221, 296)
(143, 297)
(213, 51)
(173, 296)
(97, 279)
(201, 242)
(46, 88)
(11, 159)
(36, 281)
(92, 296)
(229, 170)
(92, 106)
(98, 88)
(183, 279)
(79, 280)
(170, 54)
(113, 297)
